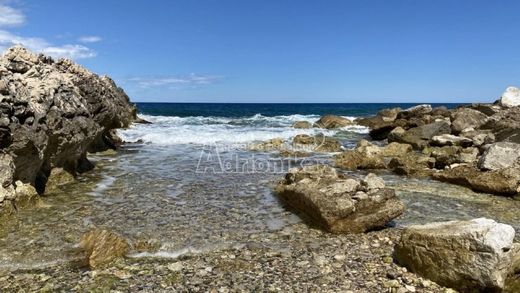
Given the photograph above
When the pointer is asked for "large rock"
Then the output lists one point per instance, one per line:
(500, 182)
(332, 122)
(415, 111)
(499, 156)
(471, 256)
(419, 137)
(451, 140)
(103, 247)
(464, 118)
(302, 124)
(53, 112)
(336, 203)
(511, 97)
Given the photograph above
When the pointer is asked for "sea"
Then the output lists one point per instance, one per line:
(189, 183)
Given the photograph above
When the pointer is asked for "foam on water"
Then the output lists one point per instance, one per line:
(173, 130)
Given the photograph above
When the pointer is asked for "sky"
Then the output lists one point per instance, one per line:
(274, 51)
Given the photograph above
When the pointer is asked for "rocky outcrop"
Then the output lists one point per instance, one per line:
(103, 247)
(511, 97)
(332, 122)
(336, 203)
(470, 256)
(51, 114)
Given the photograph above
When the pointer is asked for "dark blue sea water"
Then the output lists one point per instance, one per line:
(269, 110)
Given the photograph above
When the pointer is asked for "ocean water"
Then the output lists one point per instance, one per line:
(188, 183)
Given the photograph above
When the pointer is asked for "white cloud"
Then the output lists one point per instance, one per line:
(8, 39)
(189, 80)
(90, 39)
(10, 16)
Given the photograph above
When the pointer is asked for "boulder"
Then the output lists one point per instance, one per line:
(396, 149)
(451, 140)
(332, 122)
(302, 125)
(501, 182)
(332, 202)
(464, 118)
(511, 97)
(413, 165)
(419, 137)
(470, 256)
(415, 111)
(500, 155)
(57, 178)
(103, 247)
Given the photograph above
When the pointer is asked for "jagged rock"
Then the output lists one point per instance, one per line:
(332, 122)
(470, 256)
(269, 145)
(487, 109)
(381, 124)
(415, 111)
(419, 137)
(511, 97)
(464, 118)
(501, 182)
(103, 247)
(451, 140)
(53, 112)
(329, 200)
(372, 181)
(302, 125)
(505, 125)
(499, 156)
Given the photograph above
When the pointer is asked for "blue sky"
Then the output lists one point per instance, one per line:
(281, 51)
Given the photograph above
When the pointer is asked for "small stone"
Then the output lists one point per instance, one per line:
(340, 257)
(391, 284)
(410, 288)
(175, 267)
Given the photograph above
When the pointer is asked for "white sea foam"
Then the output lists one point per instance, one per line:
(172, 130)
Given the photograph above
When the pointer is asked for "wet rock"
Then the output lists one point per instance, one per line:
(372, 181)
(318, 143)
(302, 125)
(266, 146)
(140, 120)
(25, 193)
(511, 97)
(304, 139)
(499, 156)
(57, 178)
(293, 153)
(451, 140)
(381, 124)
(327, 200)
(471, 256)
(356, 159)
(103, 247)
(332, 122)
(464, 118)
(419, 137)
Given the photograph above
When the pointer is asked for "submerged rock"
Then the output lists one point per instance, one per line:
(266, 146)
(332, 202)
(332, 122)
(302, 125)
(57, 178)
(471, 256)
(103, 247)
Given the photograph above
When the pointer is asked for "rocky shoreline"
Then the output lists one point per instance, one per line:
(52, 113)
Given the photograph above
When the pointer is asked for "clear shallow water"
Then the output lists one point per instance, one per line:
(155, 193)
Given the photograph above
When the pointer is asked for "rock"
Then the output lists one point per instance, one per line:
(328, 200)
(318, 143)
(356, 159)
(140, 120)
(103, 247)
(471, 256)
(419, 137)
(413, 165)
(332, 122)
(396, 149)
(25, 193)
(499, 156)
(372, 181)
(464, 118)
(266, 146)
(487, 109)
(451, 140)
(302, 125)
(57, 178)
(53, 112)
(381, 124)
(415, 111)
(294, 154)
(304, 139)
(501, 182)
(511, 97)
